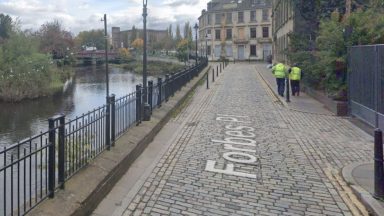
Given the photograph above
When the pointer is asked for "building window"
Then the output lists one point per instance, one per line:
(265, 32)
(240, 34)
(240, 17)
(253, 50)
(253, 32)
(209, 50)
(209, 19)
(253, 16)
(217, 50)
(265, 15)
(229, 52)
(229, 18)
(217, 34)
(217, 18)
(229, 34)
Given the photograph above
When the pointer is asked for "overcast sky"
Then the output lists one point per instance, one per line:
(81, 15)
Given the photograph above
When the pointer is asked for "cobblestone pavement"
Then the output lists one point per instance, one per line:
(243, 153)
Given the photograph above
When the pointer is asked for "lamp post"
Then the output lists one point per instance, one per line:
(107, 113)
(146, 108)
(196, 27)
(106, 54)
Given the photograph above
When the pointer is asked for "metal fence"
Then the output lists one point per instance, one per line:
(31, 170)
(366, 83)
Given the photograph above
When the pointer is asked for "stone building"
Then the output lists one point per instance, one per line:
(236, 29)
(287, 19)
(124, 39)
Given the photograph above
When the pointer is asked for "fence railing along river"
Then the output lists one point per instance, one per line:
(32, 169)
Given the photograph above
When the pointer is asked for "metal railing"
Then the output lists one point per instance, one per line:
(31, 170)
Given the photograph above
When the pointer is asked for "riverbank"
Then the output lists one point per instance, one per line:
(154, 68)
(19, 86)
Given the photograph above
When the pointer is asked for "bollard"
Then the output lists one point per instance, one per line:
(287, 98)
(207, 81)
(378, 163)
(217, 72)
(213, 75)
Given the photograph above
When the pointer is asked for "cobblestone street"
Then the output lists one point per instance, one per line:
(241, 152)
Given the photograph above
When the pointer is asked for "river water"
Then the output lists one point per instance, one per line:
(88, 90)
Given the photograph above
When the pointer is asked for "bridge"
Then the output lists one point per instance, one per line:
(94, 56)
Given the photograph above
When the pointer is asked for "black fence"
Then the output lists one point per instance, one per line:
(32, 169)
(366, 83)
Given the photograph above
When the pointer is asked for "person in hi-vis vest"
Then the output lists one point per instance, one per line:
(279, 70)
(295, 75)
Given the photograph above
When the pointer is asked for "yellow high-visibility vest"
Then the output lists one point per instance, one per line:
(295, 73)
(279, 70)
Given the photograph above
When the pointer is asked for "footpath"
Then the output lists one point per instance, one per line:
(237, 149)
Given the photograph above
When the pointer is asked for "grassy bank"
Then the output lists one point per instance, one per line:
(34, 83)
(154, 68)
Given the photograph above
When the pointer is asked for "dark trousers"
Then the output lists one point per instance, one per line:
(295, 86)
(280, 86)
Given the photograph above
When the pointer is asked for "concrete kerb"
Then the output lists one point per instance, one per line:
(84, 191)
(364, 196)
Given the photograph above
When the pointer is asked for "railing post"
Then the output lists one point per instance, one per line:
(108, 125)
(378, 165)
(167, 87)
(287, 98)
(112, 100)
(150, 94)
(61, 152)
(138, 104)
(159, 85)
(51, 158)
(213, 75)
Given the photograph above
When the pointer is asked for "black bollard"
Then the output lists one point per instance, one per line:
(378, 163)
(213, 75)
(287, 98)
(207, 80)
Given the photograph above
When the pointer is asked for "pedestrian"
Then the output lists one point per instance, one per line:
(279, 71)
(295, 75)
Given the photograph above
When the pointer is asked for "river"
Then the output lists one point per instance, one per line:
(88, 90)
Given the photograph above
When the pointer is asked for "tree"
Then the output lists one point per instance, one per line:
(186, 31)
(133, 34)
(138, 43)
(92, 38)
(55, 40)
(170, 32)
(182, 50)
(178, 34)
(5, 26)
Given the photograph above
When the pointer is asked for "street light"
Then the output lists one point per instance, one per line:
(108, 111)
(146, 108)
(196, 27)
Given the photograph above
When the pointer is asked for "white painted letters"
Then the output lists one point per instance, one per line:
(229, 170)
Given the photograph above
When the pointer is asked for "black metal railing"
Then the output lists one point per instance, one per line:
(31, 170)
